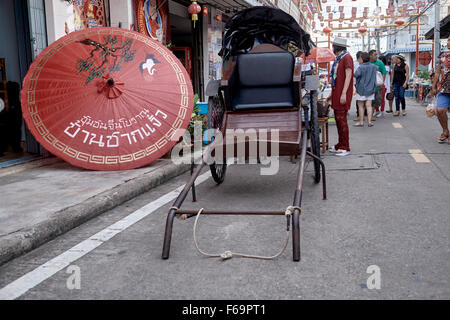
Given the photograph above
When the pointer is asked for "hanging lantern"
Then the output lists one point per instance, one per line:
(218, 17)
(324, 1)
(330, 16)
(382, 17)
(399, 22)
(340, 25)
(348, 35)
(362, 30)
(339, 35)
(341, 8)
(205, 11)
(327, 30)
(194, 9)
(339, 0)
(328, 8)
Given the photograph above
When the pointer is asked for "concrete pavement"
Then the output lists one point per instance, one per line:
(41, 203)
(384, 209)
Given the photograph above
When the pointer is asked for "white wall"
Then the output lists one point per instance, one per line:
(57, 14)
(121, 11)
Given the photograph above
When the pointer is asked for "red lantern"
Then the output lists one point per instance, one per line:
(327, 30)
(218, 17)
(324, 1)
(194, 9)
(399, 22)
(205, 11)
(362, 30)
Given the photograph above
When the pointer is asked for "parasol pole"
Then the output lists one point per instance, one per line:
(417, 42)
(329, 47)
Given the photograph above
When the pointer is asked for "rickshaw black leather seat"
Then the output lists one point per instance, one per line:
(264, 81)
(263, 98)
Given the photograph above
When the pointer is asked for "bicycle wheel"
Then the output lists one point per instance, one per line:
(216, 111)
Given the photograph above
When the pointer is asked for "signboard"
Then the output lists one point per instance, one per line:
(88, 14)
(152, 18)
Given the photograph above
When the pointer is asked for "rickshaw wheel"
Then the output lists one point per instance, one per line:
(216, 111)
(315, 139)
(218, 171)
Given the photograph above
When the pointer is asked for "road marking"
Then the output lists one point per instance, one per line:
(397, 125)
(418, 155)
(20, 286)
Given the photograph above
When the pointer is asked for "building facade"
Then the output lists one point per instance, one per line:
(29, 26)
(404, 41)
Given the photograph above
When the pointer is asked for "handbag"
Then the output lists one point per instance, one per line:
(380, 81)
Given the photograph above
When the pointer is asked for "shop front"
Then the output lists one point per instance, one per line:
(23, 37)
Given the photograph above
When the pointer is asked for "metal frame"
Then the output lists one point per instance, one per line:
(176, 207)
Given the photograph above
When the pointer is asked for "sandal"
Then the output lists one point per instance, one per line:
(370, 125)
(358, 125)
(396, 113)
(404, 113)
(389, 111)
(443, 137)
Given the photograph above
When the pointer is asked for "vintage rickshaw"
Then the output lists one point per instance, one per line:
(263, 87)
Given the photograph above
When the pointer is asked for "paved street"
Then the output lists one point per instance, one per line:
(387, 207)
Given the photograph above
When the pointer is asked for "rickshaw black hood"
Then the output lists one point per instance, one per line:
(256, 25)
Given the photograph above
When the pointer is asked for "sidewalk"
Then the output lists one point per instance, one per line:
(41, 203)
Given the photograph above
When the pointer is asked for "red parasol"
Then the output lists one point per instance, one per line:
(321, 55)
(107, 99)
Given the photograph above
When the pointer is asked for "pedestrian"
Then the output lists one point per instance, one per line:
(399, 84)
(389, 91)
(356, 64)
(341, 93)
(381, 90)
(441, 88)
(366, 87)
(387, 84)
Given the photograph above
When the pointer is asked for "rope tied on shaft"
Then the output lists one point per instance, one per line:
(229, 255)
(178, 216)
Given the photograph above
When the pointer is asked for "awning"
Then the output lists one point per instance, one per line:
(404, 50)
(445, 29)
(233, 6)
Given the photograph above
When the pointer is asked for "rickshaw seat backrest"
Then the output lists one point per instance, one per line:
(264, 81)
(268, 69)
